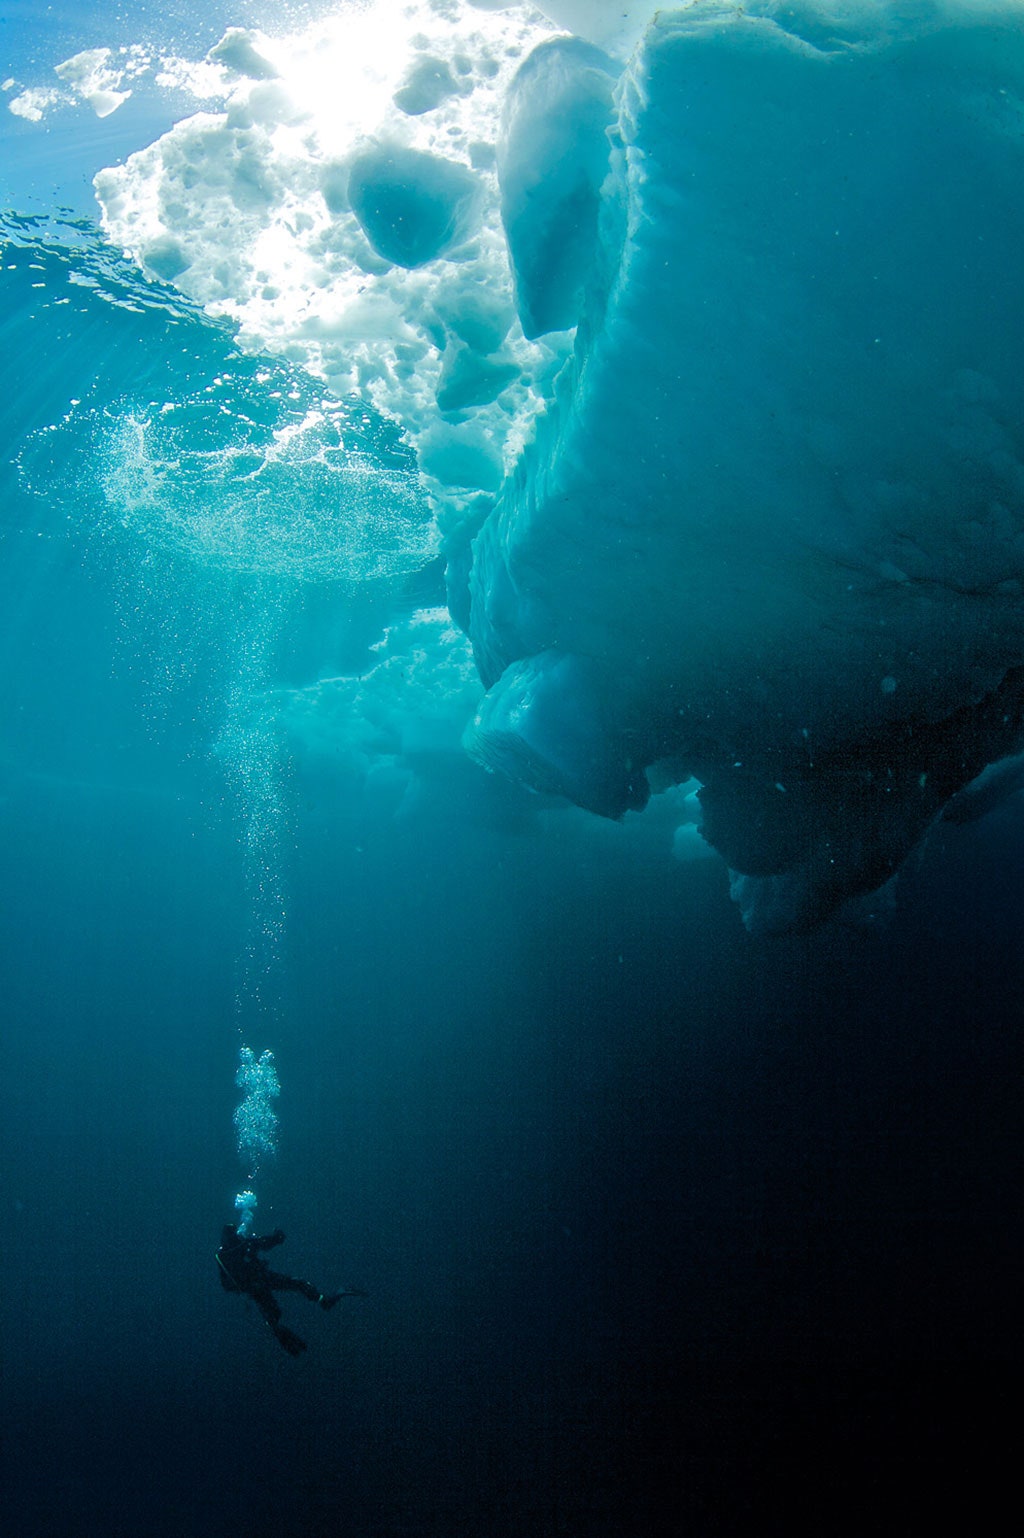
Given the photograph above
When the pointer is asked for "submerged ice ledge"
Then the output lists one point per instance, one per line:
(771, 532)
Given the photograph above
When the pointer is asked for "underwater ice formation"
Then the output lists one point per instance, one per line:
(552, 160)
(771, 532)
(705, 328)
(412, 207)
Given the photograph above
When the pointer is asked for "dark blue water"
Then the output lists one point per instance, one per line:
(659, 1224)
(722, 1226)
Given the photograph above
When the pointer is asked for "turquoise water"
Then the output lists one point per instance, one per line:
(652, 1216)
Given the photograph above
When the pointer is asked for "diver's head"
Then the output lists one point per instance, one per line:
(228, 1233)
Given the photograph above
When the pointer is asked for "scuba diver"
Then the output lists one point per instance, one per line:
(243, 1270)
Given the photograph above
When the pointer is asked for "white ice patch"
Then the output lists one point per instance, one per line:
(341, 208)
(102, 79)
(33, 104)
(338, 202)
(96, 76)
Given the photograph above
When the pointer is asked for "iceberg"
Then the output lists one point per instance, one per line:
(700, 333)
(769, 533)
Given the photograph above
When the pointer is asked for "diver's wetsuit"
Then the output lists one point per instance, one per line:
(243, 1270)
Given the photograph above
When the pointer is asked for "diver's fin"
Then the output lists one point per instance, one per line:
(291, 1342)
(328, 1300)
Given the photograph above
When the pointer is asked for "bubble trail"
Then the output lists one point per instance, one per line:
(256, 1121)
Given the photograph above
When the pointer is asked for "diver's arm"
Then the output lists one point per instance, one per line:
(269, 1241)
